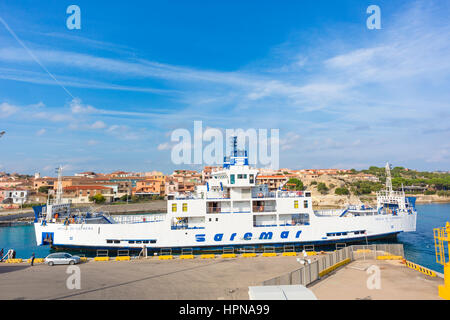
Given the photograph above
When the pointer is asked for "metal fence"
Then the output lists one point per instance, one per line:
(308, 273)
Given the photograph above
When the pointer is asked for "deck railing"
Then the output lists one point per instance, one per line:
(264, 209)
(138, 218)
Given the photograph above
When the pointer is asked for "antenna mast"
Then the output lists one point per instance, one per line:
(388, 177)
(59, 190)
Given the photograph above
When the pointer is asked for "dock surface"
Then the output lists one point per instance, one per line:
(196, 279)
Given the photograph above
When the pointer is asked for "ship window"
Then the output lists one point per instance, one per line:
(174, 207)
(344, 233)
(138, 241)
(338, 234)
(116, 241)
(109, 241)
(232, 178)
(184, 207)
(152, 241)
(145, 241)
(251, 178)
(305, 203)
(296, 204)
(217, 219)
(131, 241)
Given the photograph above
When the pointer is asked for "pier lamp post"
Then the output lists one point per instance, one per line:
(441, 238)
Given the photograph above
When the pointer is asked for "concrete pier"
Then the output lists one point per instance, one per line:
(206, 279)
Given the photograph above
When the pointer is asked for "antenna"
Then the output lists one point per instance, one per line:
(388, 177)
(234, 145)
(59, 190)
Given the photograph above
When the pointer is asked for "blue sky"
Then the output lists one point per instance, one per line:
(341, 95)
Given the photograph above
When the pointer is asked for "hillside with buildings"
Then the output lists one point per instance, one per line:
(329, 187)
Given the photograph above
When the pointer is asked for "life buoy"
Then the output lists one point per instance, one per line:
(260, 195)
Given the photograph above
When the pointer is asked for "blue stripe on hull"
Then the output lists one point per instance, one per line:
(220, 248)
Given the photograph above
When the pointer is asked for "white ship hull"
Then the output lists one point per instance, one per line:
(233, 230)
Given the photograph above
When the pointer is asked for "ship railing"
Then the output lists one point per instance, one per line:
(264, 209)
(137, 218)
(261, 195)
(184, 227)
(264, 225)
(290, 194)
(328, 212)
(218, 210)
(217, 195)
(186, 197)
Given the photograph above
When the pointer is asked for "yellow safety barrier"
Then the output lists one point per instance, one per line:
(249, 255)
(269, 254)
(123, 258)
(333, 267)
(187, 256)
(101, 259)
(166, 257)
(311, 253)
(389, 258)
(289, 254)
(419, 268)
(14, 261)
(363, 251)
(207, 256)
(229, 255)
(37, 260)
(84, 259)
(442, 236)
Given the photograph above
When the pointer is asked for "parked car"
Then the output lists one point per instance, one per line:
(61, 258)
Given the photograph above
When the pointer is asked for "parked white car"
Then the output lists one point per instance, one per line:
(61, 258)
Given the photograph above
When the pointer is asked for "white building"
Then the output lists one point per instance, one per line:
(16, 196)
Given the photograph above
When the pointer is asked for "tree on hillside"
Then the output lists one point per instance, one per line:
(295, 184)
(322, 188)
(341, 191)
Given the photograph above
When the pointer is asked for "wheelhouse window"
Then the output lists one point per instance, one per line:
(305, 204)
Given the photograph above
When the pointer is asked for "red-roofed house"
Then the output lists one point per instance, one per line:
(81, 194)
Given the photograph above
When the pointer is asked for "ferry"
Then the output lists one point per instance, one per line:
(229, 211)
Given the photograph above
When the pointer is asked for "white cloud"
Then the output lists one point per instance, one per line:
(7, 110)
(98, 125)
(78, 108)
(41, 132)
(164, 146)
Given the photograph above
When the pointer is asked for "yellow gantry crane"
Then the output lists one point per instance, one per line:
(441, 239)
